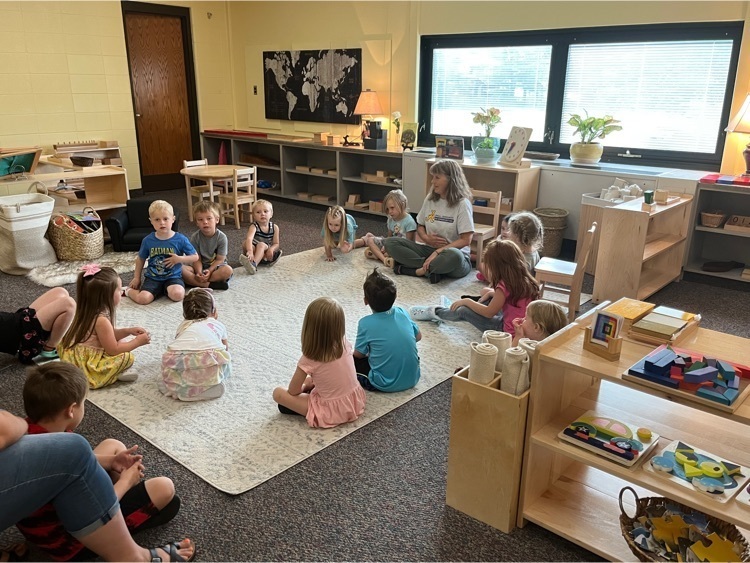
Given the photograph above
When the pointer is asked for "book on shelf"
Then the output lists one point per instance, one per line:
(675, 313)
(630, 309)
(658, 325)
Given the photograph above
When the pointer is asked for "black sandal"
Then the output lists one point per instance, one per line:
(172, 551)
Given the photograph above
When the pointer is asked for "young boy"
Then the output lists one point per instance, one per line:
(54, 397)
(166, 252)
(262, 237)
(386, 346)
(211, 269)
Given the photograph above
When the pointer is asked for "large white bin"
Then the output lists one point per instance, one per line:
(24, 219)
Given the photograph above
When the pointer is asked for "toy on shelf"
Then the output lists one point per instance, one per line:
(618, 441)
(743, 497)
(712, 382)
(603, 336)
(699, 470)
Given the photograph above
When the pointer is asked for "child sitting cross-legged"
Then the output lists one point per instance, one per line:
(385, 353)
(261, 246)
(211, 268)
(54, 396)
(400, 224)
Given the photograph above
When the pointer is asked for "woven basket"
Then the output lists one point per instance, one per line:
(657, 504)
(554, 220)
(70, 244)
(712, 218)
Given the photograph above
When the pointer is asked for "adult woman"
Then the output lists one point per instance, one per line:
(445, 224)
(61, 468)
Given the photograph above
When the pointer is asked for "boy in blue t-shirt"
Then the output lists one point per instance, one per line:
(385, 353)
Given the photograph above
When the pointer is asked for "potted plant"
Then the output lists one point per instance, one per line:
(587, 150)
(485, 146)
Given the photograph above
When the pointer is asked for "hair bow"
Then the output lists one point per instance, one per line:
(90, 270)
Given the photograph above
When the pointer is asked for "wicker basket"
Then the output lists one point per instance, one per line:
(657, 505)
(555, 221)
(712, 218)
(71, 244)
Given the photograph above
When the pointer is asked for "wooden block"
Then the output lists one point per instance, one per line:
(321, 197)
(321, 137)
(734, 383)
(332, 172)
(319, 170)
(699, 375)
(362, 205)
(112, 161)
(108, 144)
(675, 370)
(731, 395)
(376, 205)
(352, 199)
(333, 140)
(302, 168)
(382, 173)
(303, 195)
(712, 395)
(725, 369)
(648, 207)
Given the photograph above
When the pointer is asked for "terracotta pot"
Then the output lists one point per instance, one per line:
(586, 153)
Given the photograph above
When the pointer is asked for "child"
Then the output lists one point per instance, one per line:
(514, 289)
(262, 237)
(54, 397)
(542, 319)
(400, 224)
(526, 230)
(92, 342)
(166, 252)
(324, 388)
(34, 332)
(339, 230)
(386, 347)
(211, 269)
(504, 235)
(197, 362)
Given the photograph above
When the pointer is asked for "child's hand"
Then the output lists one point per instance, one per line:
(143, 339)
(456, 304)
(135, 283)
(125, 459)
(172, 260)
(519, 330)
(136, 330)
(132, 475)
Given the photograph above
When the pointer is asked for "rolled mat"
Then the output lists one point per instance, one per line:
(501, 340)
(482, 364)
(530, 346)
(515, 378)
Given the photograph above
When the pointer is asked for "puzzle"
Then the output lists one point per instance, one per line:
(743, 497)
(699, 471)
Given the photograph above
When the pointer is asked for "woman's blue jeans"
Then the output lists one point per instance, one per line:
(59, 468)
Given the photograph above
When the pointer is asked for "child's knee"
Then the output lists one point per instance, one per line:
(176, 292)
(110, 446)
(278, 394)
(160, 490)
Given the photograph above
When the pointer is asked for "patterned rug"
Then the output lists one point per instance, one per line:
(63, 272)
(240, 440)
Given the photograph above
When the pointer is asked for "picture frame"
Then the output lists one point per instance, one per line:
(605, 327)
(409, 134)
(449, 147)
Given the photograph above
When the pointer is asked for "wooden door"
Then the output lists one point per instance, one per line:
(163, 95)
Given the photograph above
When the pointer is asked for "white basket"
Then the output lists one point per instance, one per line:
(25, 211)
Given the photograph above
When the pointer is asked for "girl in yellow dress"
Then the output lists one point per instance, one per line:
(92, 342)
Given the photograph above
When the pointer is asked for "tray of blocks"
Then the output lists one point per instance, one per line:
(713, 382)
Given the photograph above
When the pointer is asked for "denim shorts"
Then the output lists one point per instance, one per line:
(157, 288)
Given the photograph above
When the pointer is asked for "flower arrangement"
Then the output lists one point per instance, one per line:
(592, 128)
(396, 115)
(488, 119)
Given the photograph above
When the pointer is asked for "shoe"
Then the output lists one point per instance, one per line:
(480, 277)
(435, 278)
(472, 297)
(45, 356)
(369, 254)
(445, 302)
(401, 270)
(128, 376)
(250, 265)
(389, 262)
(171, 549)
(219, 285)
(276, 256)
(421, 313)
(285, 410)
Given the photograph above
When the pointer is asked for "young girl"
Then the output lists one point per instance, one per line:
(526, 230)
(261, 245)
(400, 224)
(339, 230)
(324, 388)
(504, 235)
(542, 319)
(514, 289)
(92, 342)
(197, 362)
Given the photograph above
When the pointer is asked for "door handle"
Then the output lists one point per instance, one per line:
(137, 114)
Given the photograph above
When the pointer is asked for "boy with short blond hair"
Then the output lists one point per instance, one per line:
(211, 269)
(166, 252)
(54, 397)
(261, 245)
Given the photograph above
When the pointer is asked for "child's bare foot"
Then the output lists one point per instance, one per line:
(388, 262)
(420, 272)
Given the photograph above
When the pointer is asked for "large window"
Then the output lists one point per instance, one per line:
(670, 86)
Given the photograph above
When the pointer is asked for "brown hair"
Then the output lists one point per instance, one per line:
(380, 291)
(95, 295)
(504, 262)
(51, 388)
(334, 212)
(528, 229)
(548, 315)
(198, 304)
(206, 206)
(323, 330)
(458, 186)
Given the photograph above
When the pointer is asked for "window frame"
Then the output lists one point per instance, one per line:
(560, 40)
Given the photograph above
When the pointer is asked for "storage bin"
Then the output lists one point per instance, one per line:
(23, 223)
(555, 221)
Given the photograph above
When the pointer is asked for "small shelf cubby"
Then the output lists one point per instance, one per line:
(310, 174)
(353, 165)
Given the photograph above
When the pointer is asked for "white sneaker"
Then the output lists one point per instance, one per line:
(445, 302)
(421, 313)
(128, 376)
(249, 265)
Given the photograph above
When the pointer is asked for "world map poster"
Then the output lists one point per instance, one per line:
(321, 86)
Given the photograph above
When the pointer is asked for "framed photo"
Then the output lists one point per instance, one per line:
(605, 327)
(449, 147)
(409, 134)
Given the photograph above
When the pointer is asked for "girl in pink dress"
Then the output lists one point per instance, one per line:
(324, 388)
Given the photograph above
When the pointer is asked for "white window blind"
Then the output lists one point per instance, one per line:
(512, 79)
(668, 95)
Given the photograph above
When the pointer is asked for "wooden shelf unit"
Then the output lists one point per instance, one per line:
(573, 492)
(717, 244)
(640, 251)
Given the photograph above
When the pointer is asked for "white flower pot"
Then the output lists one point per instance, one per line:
(586, 153)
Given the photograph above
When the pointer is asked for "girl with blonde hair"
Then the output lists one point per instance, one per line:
(542, 319)
(339, 231)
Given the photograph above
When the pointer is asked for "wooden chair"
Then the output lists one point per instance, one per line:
(565, 277)
(243, 191)
(486, 219)
(196, 189)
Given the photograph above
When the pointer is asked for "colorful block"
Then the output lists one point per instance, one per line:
(731, 395)
(692, 471)
(731, 468)
(696, 365)
(679, 361)
(725, 369)
(718, 382)
(700, 374)
(710, 361)
(675, 370)
(734, 383)
(712, 395)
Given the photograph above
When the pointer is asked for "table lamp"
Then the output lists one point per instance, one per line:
(373, 137)
(740, 123)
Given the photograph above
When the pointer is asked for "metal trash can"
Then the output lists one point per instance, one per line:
(23, 223)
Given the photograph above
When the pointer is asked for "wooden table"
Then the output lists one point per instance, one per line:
(209, 173)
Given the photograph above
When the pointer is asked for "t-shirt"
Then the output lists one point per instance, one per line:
(512, 311)
(351, 231)
(448, 222)
(389, 341)
(401, 227)
(209, 247)
(156, 251)
(203, 334)
(532, 259)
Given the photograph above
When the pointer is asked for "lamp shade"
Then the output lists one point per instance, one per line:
(740, 123)
(368, 104)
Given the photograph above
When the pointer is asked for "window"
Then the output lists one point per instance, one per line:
(669, 85)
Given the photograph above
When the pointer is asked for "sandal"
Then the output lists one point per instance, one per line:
(172, 551)
(16, 552)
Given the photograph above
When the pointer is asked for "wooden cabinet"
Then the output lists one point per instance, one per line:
(574, 493)
(712, 244)
(640, 251)
(352, 165)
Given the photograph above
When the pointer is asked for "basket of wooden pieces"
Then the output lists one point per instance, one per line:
(665, 530)
(712, 218)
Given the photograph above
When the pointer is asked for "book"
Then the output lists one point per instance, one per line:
(630, 309)
(658, 325)
(675, 313)
(605, 327)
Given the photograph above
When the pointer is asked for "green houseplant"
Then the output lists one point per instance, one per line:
(485, 146)
(588, 150)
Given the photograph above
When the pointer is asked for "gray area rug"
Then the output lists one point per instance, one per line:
(65, 272)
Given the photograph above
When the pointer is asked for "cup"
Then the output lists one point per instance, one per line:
(648, 196)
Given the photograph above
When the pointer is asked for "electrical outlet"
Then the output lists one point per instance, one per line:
(255, 90)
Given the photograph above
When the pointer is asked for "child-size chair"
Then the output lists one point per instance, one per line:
(243, 191)
(197, 189)
(486, 218)
(129, 225)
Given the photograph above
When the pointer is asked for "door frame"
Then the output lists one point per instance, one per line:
(127, 6)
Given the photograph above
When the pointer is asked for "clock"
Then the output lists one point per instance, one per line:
(515, 146)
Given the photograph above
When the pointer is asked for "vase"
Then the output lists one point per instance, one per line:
(485, 154)
(586, 153)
